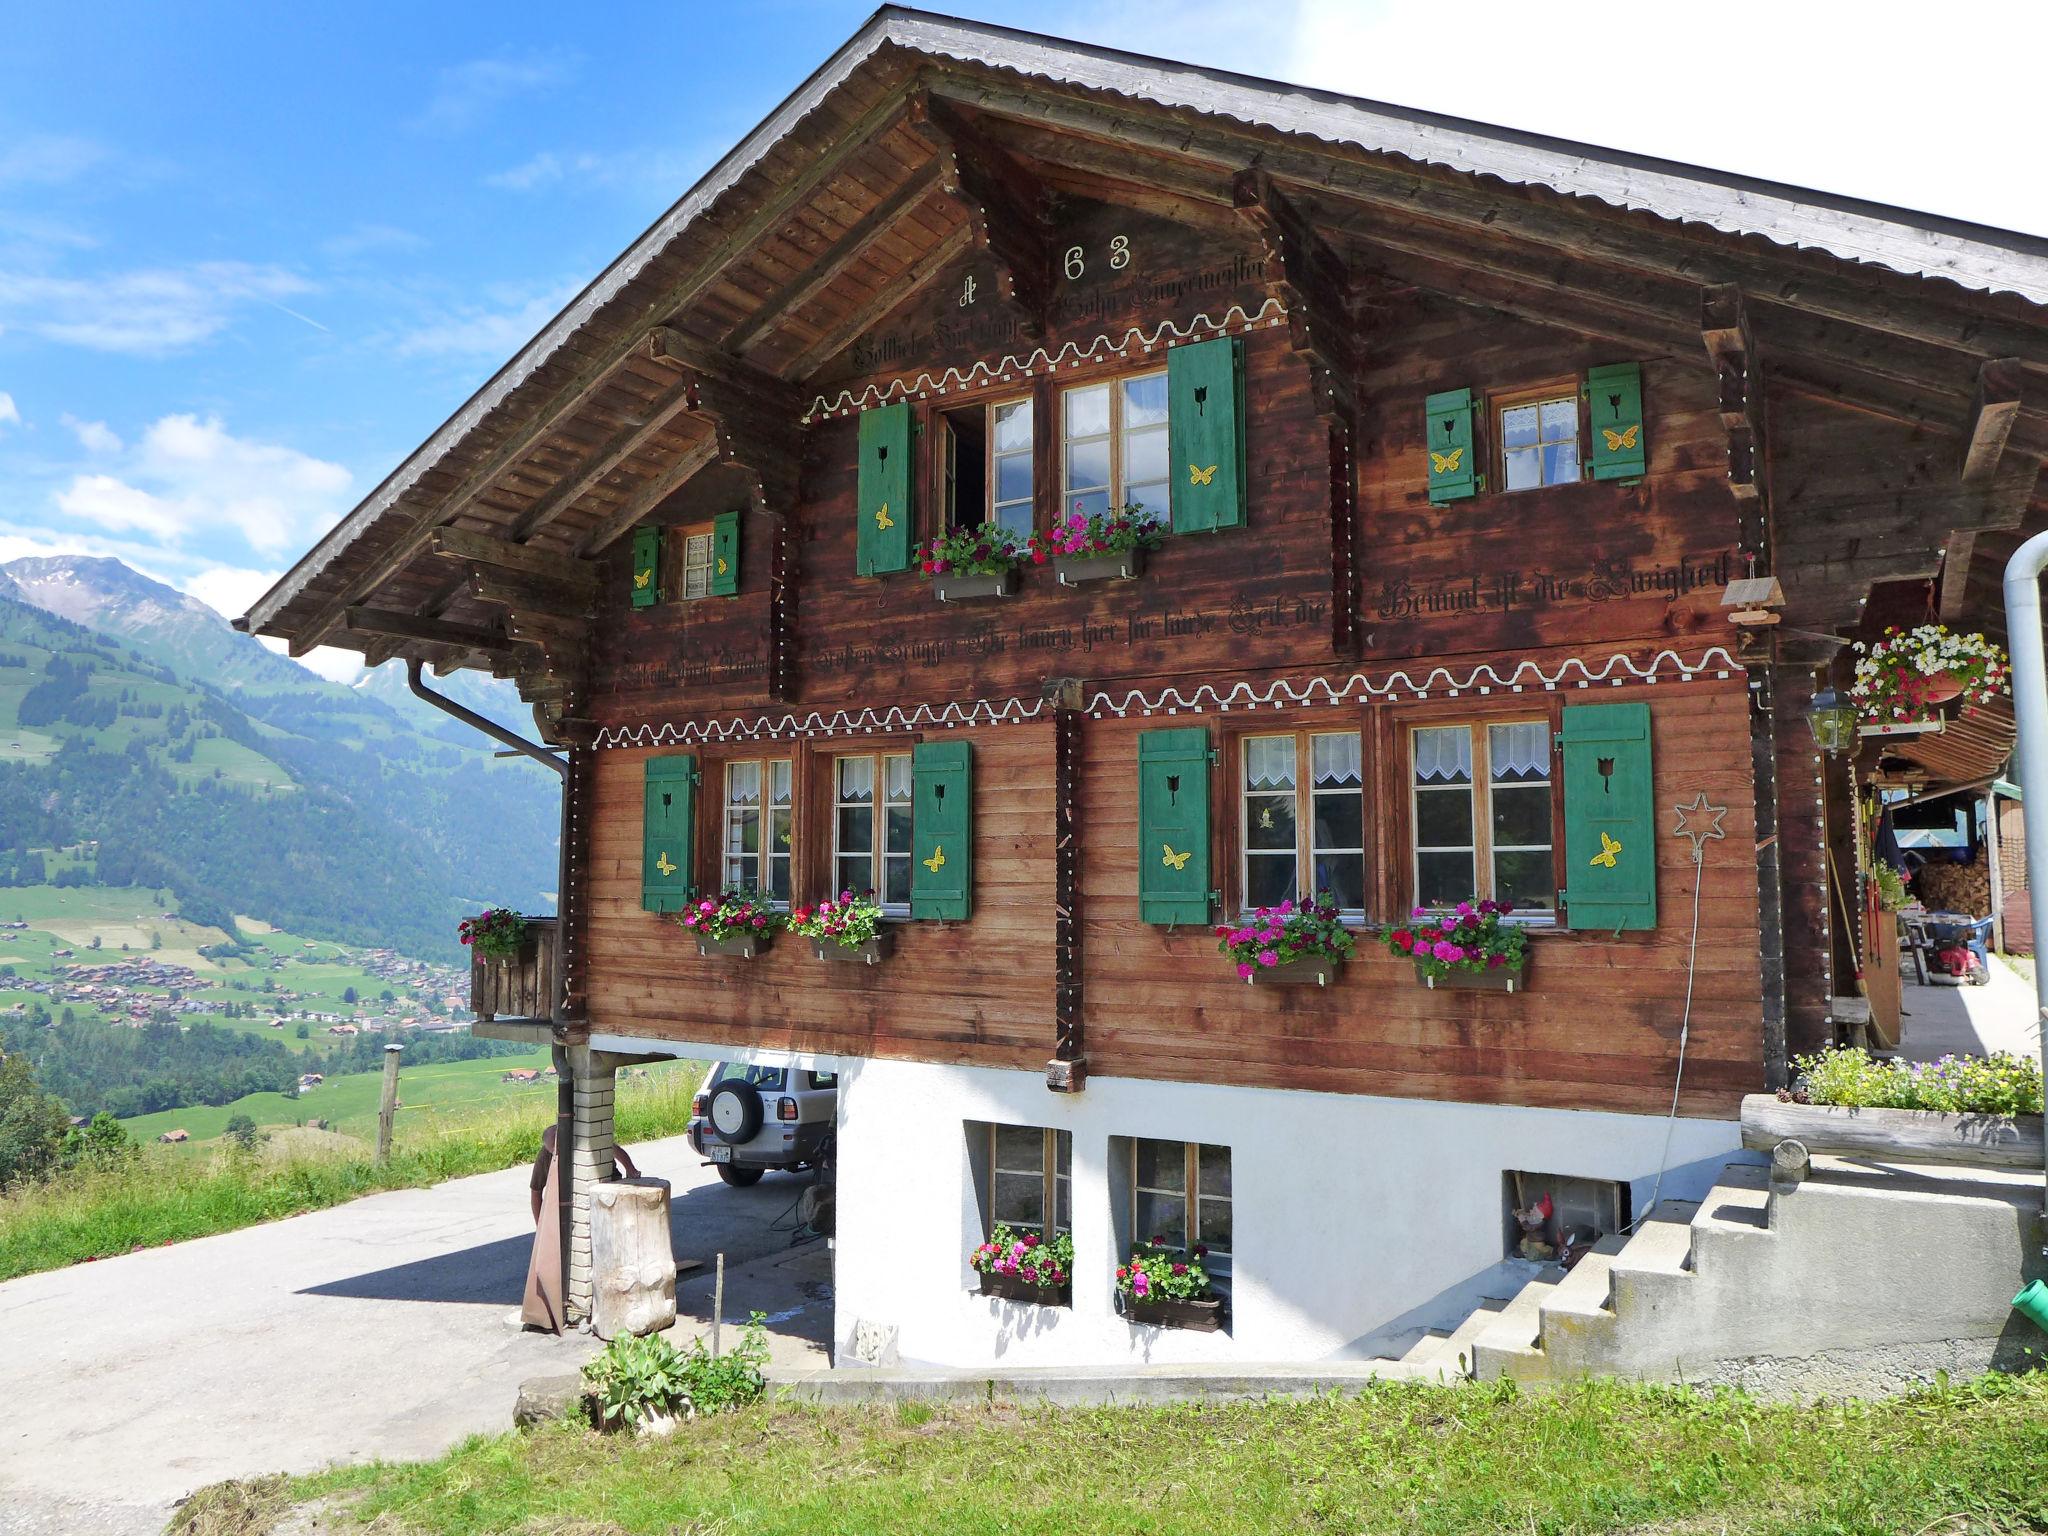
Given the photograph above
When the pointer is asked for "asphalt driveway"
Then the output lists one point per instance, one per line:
(375, 1329)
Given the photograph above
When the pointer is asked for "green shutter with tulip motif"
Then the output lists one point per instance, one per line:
(668, 831)
(888, 525)
(942, 830)
(1609, 879)
(1173, 826)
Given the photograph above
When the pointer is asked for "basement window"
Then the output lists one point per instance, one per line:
(1023, 1177)
(1581, 1211)
(1180, 1197)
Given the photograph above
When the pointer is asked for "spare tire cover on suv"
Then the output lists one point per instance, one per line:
(735, 1112)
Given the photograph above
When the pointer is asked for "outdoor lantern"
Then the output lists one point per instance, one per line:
(1833, 720)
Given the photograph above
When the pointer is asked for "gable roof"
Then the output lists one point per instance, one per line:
(1970, 256)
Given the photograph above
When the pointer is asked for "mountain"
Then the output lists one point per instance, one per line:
(134, 717)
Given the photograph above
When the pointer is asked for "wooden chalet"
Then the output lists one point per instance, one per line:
(1463, 437)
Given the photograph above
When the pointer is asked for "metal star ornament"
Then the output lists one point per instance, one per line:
(1698, 822)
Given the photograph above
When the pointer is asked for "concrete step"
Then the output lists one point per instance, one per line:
(1507, 1344)
(1657, 1257)
(1584, 1289)
(1735, 1214)
(1081, 1386)
(1449, 1355)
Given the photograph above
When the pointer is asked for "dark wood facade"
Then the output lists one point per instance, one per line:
(945, 234)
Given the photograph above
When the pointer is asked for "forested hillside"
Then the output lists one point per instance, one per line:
(313, 806)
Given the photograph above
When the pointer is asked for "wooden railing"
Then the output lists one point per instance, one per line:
(521, 987)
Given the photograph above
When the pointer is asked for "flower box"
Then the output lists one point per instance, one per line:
(873, 952)
(744, 946)
(1902, 1135)
(1499, 978)
(517, 986)
(1301, 971)
(954, 587)
(1195, 1316)
(1072, 570)
(1014, 1288)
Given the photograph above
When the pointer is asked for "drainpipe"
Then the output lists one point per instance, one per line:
(565, 1088)
(2030, 712)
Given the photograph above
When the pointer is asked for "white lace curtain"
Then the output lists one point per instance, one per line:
(1269, 762)
(1443, 755)
(1335, 761)
(1519, 751)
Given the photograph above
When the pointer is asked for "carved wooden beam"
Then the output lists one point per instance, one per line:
(1725, 329)
(877, 309)
(1307, 276)
(1993, 411)
(753, 416)
(1067, 1071)
(831, 263)
(482, 549)
(1005, 208)
(1955, 573)
(535, 596)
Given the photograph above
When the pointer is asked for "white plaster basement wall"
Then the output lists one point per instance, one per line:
(1353, 1216)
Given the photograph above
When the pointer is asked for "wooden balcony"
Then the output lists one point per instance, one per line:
(521, 987)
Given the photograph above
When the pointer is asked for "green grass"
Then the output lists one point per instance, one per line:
(1436, 1461)
(158, 1197)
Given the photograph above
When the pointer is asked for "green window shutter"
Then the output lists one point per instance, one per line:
(1205, 435)
(725, 554)
(942, 829)
(1453, 460)
(886, 515)
(1620, 436)
(669, 831)
(1173, 826)
(646, 567)
(1609, 880)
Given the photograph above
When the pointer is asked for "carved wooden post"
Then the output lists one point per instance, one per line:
(1067, 1070)
(633, 1267)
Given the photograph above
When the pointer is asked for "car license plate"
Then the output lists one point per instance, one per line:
(721, 1154)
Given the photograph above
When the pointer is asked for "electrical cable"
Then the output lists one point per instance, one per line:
(1684, 1031)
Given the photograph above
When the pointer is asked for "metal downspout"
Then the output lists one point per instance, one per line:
(2030, 714)
(565, 1088)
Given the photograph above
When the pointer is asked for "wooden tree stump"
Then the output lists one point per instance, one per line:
(632, 1266)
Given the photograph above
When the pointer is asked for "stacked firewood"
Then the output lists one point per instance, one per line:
(1947, 887)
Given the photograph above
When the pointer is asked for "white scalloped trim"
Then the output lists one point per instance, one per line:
(1071, 354)
(1616, 671)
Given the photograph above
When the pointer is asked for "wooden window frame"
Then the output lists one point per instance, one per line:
(1191, 1198)
(1398, 786)
(1116, 490)
(1049, 1185)
(944, 463)
(1498, 402)
(764, 809)
(1240, 855)
(876, 751)
(676, 548)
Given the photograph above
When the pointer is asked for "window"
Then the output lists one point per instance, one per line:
(693, 547)
(1499, 847)
(1030, 1178)
(1538, 433)
(757, 834)
(985, 467)
(1289, 825)
(867, 856)
(1180, 1196)
(1113, 446)
(767, 1079)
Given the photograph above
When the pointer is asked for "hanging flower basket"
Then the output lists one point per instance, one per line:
(739, 924)
(1472, 947)
(1906, 676)
(1287, 945)
(971, 562)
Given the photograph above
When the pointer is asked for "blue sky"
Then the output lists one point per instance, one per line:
(250, 256)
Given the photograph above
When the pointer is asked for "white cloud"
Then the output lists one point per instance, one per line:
(46, 159)
(477, 331)
(147, 312)
(337, 666)
(467, 93)
(366, 238)
(1851, 109)
(93, 436)
(665, 172)
(230, 590)
(10, 413)
(188, 475)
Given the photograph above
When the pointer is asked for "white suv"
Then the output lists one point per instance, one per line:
(752, 1116)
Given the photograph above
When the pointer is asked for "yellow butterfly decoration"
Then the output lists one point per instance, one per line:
(663, 865)
(1608, 849)
(938, 859)
(721, 566)
(882, 517)
(642, 578)
(1616, 441)
(1201, 476)
(1175, 861)
(1445, 463)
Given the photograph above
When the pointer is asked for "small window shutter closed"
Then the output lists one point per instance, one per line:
(1173, 826)
(646, 567)
(725, 554)
(1453, 462)
(1205, 435)
(886, 515)
(942, 829)
(668, 830)
(1620, 446)
(1610, 825)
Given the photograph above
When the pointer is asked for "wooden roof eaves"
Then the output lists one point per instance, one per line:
(1970, 256)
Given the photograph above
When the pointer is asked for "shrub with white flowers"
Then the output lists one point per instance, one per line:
(1905, 674)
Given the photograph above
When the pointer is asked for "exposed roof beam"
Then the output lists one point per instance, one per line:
(410, 626)
(754, 418)
(600, 464)
(1993, 411)
(643, 501)
(881, 306)
(830, 264)
(1304, 273)
(487, 550)
(1005, 208)
(489, 586)
(1955, 573)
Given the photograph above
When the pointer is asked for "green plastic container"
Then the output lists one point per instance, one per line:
(2033, 1303)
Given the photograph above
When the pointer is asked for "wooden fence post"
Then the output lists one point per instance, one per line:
(387, 1106)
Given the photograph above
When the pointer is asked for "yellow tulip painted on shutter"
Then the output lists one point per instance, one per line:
(1608, 849)
(1175, 861)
